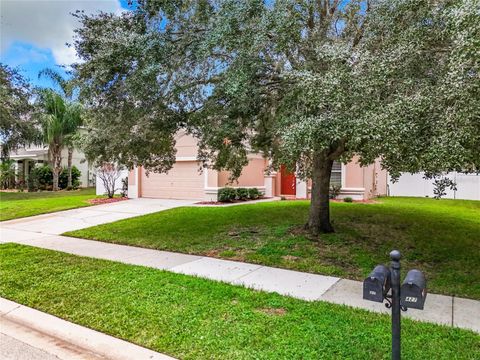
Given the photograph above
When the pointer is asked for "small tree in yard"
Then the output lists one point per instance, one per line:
(109, 173)
(304, 82)
(440, 185)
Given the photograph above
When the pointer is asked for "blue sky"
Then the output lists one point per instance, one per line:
(34, 33)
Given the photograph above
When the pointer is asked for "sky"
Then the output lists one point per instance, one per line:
(34, 33)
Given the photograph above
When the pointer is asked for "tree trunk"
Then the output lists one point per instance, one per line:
(319, 214)
(69, 164)
(57, 167)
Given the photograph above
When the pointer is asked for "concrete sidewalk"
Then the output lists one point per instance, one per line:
(439, 309)
(30, 334)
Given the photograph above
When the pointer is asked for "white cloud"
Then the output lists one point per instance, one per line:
(47, 23)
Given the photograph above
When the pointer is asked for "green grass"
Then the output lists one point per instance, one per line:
(440, 237)
(192, 318)
(15, 205)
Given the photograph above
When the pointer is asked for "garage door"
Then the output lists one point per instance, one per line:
(183, 181)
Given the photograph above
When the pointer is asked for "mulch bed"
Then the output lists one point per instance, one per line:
(227, 203)
(100, 201)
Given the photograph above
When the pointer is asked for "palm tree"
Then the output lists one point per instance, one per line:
(59, 121)
(73, 116)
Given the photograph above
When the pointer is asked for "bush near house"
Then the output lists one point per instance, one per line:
(228, 194)
(334, 191)
(41, 178)
(63, 178)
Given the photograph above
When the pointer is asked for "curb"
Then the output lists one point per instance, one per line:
(63, 338)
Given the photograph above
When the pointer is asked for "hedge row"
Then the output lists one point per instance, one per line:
(229, 194)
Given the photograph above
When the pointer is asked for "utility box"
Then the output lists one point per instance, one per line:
(377, 284)
(414, 290)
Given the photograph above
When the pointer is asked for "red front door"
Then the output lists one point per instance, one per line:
(287, 182)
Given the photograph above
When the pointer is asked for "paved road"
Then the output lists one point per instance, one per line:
(12, 349)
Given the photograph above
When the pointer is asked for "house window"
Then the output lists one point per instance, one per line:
(336, 177)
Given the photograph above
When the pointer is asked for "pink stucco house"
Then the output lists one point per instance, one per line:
(185, 181)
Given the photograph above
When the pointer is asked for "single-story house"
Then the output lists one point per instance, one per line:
(186, 181)
(29, 157)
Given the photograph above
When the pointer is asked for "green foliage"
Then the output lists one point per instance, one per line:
(242, 194)
(60, 118)
(379, 84)
(16, 126)
(253, 193)
(335, 191)
(63, 178)
(227, 194)
(348, 199)
(440, 185)
(43, 177)
(124, 191)
(7, 174)
(304, 82)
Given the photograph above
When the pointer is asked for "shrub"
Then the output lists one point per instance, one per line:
(7, 174)
(63, 178)
(334, 191)
(227, 194)
(253, 193)
(348, 199)
(440, 185)
(109, 173)
(32, 181)
(242, 194)
(44, 176)
(124, 191)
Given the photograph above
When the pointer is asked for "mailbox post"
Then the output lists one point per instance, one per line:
(395, 271)
(384, 284)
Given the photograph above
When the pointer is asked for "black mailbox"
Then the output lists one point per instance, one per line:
(414, 290)
(377, 284)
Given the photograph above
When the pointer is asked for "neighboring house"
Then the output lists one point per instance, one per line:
(468, 186)
(27, 158)
(185, 181)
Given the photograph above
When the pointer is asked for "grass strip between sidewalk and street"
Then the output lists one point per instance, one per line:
(192, 318)
(439, 237)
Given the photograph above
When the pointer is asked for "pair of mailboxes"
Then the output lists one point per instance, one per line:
(412, 293)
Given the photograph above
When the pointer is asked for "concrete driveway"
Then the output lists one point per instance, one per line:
(69, 220)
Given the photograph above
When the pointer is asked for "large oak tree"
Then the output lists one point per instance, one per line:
(306, 82)
(16, 127)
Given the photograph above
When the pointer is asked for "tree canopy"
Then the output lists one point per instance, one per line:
(304, 82)
(16, 127)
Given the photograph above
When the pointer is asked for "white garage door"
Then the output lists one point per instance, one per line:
(183, 181)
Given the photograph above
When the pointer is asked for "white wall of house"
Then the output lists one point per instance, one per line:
(468, 186)
(36, 155)
(78, 160)
(100, 189)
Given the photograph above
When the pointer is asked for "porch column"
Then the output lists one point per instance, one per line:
(269, 183)
(133, 181)
(301, 189)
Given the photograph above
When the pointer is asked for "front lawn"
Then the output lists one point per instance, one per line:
(15, 205)
(440, 237)
(193, 318)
